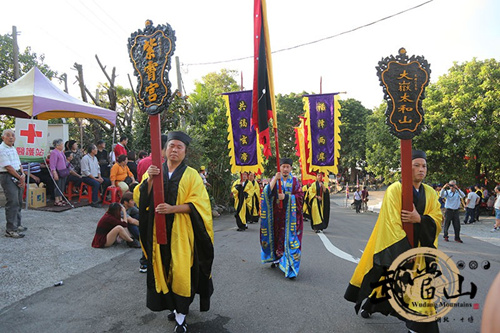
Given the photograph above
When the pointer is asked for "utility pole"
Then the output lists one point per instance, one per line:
(179, 86)
(16, 52)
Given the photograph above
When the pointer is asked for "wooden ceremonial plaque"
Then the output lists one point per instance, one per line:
(403, 80)
(150, 53)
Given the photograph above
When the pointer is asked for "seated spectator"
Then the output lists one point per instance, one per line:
(112, 225)
(132, 213)
(77, 155)
(133, 224)
(121, 176)
(132, 164)
(92, 174)
(141, 155)
(73, 175)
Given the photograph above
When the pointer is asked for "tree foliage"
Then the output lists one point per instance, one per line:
(382, 148)
(27, 60)
(462, 125)
(209, 125)
(353, 134)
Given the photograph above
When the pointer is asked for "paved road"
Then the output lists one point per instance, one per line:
(104, 292)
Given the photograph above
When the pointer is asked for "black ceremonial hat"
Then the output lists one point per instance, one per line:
(286, 160)
(178, 135)
(418, 154)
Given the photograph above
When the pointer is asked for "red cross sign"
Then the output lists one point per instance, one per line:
(31, 139)
(31, 133)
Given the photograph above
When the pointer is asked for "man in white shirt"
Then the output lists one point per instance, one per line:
(12, 179)
(91, 172)
(452, 194)
(496, 227)
(470, 205)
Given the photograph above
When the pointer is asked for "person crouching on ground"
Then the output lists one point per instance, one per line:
(112, 225)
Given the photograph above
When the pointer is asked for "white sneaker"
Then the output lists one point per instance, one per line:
(495, 229)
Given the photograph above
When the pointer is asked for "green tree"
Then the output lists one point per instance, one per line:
(353, 136)
(208, 124)
(382, 148)
(27, 60)
(462, 123)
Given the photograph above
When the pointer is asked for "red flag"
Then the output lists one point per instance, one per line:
(263, 87)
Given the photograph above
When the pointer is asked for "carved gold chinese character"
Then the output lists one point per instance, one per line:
(321, 156)
(321, 140)
(151, 70)
(151, 91)
(404, 86)
(404, 75)
(405, 98)
(244, 157)
(404, 109)
(149, 48)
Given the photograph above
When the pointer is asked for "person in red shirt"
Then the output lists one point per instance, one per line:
(146, 162)
(112, 225)
(120, 147)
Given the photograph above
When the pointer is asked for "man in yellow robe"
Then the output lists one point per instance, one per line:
(317, 204)
(253, 200)
(242, 191)
(388, 240)
(181, 268)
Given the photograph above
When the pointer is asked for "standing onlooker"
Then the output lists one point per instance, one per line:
(364, 198)
(496, 227)
(132, 164)
(13, 182)
(357, 199)
(203, 175)
(473, 200)
(103, 158)
(91, 173)
(77, 155)
(479, 193)
(59, 171)
(120, 148)
(452, 194)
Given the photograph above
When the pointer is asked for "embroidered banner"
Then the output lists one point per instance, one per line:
(302, 152)
(244, 149)
(323, 138)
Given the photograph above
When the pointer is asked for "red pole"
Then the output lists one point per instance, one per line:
(161, 230)
(407, 185)
(278, 161)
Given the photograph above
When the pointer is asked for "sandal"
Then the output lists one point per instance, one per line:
(59, 203)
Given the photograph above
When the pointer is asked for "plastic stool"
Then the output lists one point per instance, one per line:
(69, 191)
(87, 196)
(116, 195)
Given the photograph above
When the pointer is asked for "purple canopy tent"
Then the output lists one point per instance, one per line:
(33, 95)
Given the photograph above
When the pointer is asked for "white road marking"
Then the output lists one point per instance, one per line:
(336, 251)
